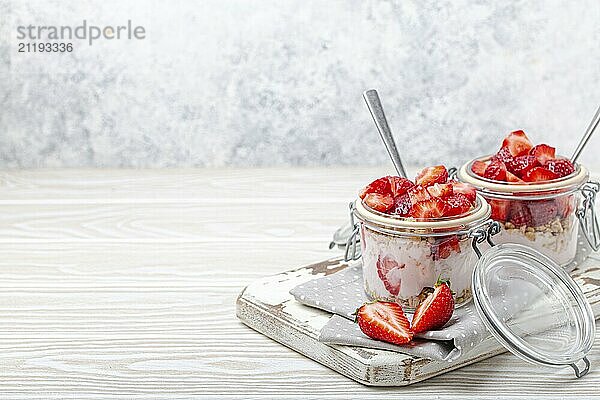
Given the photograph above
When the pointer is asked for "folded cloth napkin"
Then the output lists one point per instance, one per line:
(342, 293)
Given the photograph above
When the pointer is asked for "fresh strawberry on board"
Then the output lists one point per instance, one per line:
(478, 167)
(464, 188)
(389, 272)
(543, 153)
(399, 185)
(380, 186)
(561, 167)
(436, 310)
(539, 174)
(402, 205)
(517, 143)
(443, 248)
(495, 171)
(457, 204)
(431, 175)
(432, 208)
(384, 321)
(440, 190)
(379, 202)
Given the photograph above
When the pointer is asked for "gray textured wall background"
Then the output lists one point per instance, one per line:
(255, 83)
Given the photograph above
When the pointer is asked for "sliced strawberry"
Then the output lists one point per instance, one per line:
(432, 208)
(436, 310)
(503, 155)
(380, 186)
(500, 209)
(431, 175)
(522, 164)
(379, 202)
(542, 211)
(384, 321)
(443, 248)
(561, 167)
(440, 190)
(510, 177)
(565, 205)
(520, 214)
(399, 185)
(418, 193)
(543, 153)
(478, 167)
(539, 174)
(517, 143)
(402, 205)
(389, 272)
(495, 171)
(466, 189)
(457, 204)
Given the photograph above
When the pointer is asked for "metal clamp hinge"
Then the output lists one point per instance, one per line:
(587, 215)
(352, 250)
(483, 234)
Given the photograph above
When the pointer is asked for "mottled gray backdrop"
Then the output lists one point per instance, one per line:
(257, 83)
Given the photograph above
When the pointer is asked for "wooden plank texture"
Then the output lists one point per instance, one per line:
(122, 284)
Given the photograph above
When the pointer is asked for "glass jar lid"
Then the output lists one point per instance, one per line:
(533, 307)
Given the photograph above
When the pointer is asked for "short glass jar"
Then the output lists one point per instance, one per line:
(404, 257)
(543, 215)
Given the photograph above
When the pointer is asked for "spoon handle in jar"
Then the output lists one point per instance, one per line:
(587, 135)
(374, 103)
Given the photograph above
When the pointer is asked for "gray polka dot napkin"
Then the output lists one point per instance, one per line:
(342, 293)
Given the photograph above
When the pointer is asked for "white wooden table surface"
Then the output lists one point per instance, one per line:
(122, 284)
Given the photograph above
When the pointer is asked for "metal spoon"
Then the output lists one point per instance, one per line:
(374, 103)
(587, 135)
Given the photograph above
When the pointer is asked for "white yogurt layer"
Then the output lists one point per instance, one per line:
(417, 268)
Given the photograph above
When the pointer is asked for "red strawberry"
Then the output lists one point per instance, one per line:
(503, 155)
(384, 321)
(522, 164)
(543, 153)
(565, 205)
(399, 185)
(418, 193)
(435, 311)
(478, 167)
(431, 175)
(380, 186)
(517, 143)
(495, 171)
(379, 202)
(432, 208)
(457, 204)
(402, 205)
(510, 177)
(440, 189)
(520, 214)
(542, 211)
(389, 273)
(500, 209)
(443, 248)
(464, 188)
(561, 167)
(539, 174)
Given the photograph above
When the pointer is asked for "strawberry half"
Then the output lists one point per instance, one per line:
(561, 167)
(418, 193)
(389, 273)
(517, 143)
(500, 209)
(478, 167)
(384, 321)
(464, 188)
(457, 204)
(443, 248)
(432, 208)
(399, 185)
(522, 164)
(436, 310)
(543, 153)
(539, 174)
(431, 175)
(380, 186)
(495, 171)
(379, 202)
(503, 155)
(402, 205)
(440, 190)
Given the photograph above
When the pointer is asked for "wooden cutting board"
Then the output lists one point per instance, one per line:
(267, 307)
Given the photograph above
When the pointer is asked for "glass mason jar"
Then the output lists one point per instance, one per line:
(545, 216)
(403, 257)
